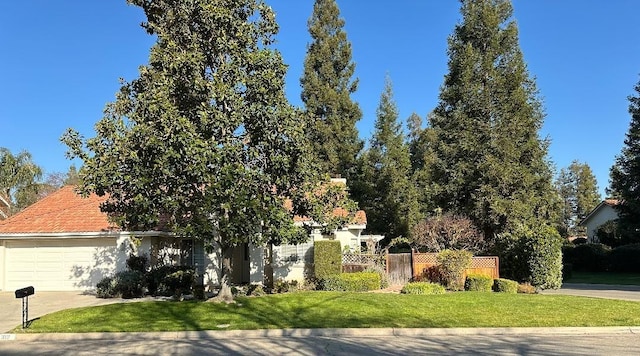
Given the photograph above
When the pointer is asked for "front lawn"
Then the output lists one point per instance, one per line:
(605, 278)
(346, 310)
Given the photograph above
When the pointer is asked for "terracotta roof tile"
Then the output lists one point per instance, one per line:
(60, 212)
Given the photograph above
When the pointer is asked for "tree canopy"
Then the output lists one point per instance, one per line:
(491, 164)
(578, 191)
(625, 175)
(327, 86)
(19, 177)
(203, 143)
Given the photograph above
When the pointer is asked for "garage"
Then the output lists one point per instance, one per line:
(61, 264)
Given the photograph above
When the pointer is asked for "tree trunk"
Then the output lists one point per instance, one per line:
(225, 295)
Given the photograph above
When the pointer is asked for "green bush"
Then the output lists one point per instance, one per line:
(353, 282)
(129, 284)
(452, 265)
(169, 280)
(384, 278)
(579, 241)
(625, 258)
(256, 290)
(503, 285)
(137, 263)
(327, 258)
(544, 257)
(478, 283)
(282, 286)
(588, 257)
(422, 288)
(106, 288)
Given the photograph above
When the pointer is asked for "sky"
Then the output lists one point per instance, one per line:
(60, 63)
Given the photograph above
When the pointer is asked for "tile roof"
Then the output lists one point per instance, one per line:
(60, 212)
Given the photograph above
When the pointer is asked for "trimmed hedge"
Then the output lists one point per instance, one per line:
(478, 283)
(422, 288)
(125, 284)
(168, 280)
(503, 285)
(327, 258)
(625, 258)
(353, 282)
(587, 257)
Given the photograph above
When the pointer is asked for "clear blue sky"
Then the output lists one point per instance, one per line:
(60, 62)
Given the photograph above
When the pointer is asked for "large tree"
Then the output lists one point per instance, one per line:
(327, 85)
(578, 191)
(492, 164)
(625, 175)
(19, 177)
(204, 141)
(391, 201)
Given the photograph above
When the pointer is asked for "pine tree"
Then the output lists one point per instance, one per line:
(492, 165)
(392, 205)
(327, 86)
(625, 176)
(578, 191)
(421, 149)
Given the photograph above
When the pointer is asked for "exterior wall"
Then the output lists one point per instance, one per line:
(349, 237)
(212, 269)
(256, 266)
(601, 216)
(2, 259)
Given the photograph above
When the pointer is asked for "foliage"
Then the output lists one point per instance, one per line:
(606, 278)
(283, 286)
(587, 257)
(129, 284)
(327, 86)
(432, 274)
(625, 176)
(327, 258)
(478, 283)
(578, 191)
(256, 290)
(609, 234)
(422, 142)
(422, 288)
(106, 288)
(579, 241)
(447, 232)
(380, 270)
(137, 263)
(383, 185)
(203, 143)
(329, 204)
(526, 288)
(18, 181)
(503, 285)
(625, 258)
(543, 249)
(491, 163)
(452, 265)
(352, 282)
(170, 280)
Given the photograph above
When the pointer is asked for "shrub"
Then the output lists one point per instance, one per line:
(106, 288)
(422, 288)
(452, 265)
(544, 257)
(384, 278)
(164, 280)
(588, 257)
(579, 241)
(282, 286)
(478, 283)
(526, 288)
(625, 258)
(567, 271)
(353, 282)
(431, 274)
(137, 263)
(129, 284)
(447, 232)
(503, 285)
(256, 290)
(327, 258)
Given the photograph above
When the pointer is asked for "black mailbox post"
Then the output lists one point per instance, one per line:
(24, 293)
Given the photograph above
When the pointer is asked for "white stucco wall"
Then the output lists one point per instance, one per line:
(602, 215)
(2, 259)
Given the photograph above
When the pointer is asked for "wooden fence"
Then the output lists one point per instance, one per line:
(487, 265)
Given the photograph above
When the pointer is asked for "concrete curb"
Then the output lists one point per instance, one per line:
(295, 333)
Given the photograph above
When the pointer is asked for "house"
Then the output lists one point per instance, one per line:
(602, 213)
(64, 242)
(5, 206)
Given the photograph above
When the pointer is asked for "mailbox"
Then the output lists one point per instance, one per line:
(24, 292)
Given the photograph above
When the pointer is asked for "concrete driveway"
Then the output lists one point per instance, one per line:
(42, 303)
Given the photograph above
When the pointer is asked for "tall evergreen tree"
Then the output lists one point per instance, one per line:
(578, 191)
(391, 205)
(204, 140)
(492, 164)
(421, 149)
(327, 86)
(19, 177)
(625, 175)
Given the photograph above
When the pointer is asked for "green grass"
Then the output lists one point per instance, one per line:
(346, 310)
(605, 278)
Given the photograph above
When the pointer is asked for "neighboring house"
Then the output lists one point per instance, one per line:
(602, 213)
(64, 242)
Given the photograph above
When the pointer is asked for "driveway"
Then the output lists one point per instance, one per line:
(607, 291)
(42, 303)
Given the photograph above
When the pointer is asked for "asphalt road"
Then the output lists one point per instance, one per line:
(499, 344)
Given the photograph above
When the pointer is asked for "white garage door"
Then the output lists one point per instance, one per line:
(58, 265)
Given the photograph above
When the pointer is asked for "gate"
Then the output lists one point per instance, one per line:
(399, 268)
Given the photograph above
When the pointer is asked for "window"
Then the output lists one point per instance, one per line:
(297, 254)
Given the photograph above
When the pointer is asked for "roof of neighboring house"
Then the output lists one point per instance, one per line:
(360, 217)
(60, 212)
(607, 202)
